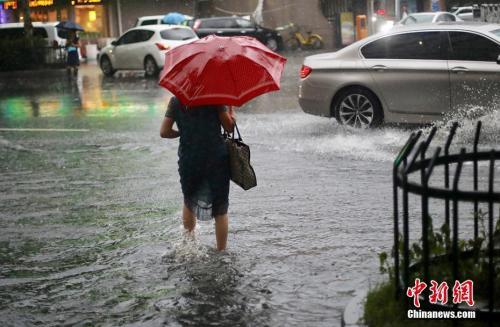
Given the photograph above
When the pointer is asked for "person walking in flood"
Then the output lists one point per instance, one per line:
(73, 60)
(203, 162)
(207, 78)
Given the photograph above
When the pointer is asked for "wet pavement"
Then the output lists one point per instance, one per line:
(90, 228)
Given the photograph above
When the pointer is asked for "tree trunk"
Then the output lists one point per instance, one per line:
(442, 4)
(28, 26)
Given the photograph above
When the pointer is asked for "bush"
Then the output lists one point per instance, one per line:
(22, 54)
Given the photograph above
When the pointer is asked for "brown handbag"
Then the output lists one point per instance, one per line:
(242, 172)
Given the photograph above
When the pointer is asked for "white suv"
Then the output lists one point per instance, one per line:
(48, 31)
(143, 48)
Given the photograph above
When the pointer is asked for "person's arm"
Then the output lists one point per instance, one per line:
(227, 118)
(166, 129)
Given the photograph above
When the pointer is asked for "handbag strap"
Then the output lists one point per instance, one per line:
(237, 130)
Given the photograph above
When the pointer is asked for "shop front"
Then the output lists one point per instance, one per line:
(90, 14)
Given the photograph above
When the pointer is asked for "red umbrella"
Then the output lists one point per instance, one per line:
(221, 70)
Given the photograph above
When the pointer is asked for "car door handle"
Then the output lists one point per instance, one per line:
(379, 68)
(220, 32)
(459, 70)
(243, 32)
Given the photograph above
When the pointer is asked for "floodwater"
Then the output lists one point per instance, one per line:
(90, 228)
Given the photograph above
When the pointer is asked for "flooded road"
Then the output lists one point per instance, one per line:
(90, 228)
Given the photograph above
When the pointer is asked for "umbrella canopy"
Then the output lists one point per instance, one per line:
(69, 25)
(173, 18)
(221, 71)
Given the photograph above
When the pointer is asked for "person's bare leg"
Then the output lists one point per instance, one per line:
(188, 219)
(221, 231)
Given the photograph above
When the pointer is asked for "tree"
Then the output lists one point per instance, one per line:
(28, 26)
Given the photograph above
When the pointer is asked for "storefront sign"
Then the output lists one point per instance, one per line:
(347, 27)
(85, 2)
(10, 5)
(41, 3)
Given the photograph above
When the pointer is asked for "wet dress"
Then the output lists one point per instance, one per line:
(203, 158)
(73, 59)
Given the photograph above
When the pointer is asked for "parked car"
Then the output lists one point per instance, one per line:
(412, 74)
(154, 20)
(464, 13)
(143, 48)
(230, 26)
(48, 31)
(429, 17)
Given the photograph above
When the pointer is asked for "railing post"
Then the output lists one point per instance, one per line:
(491, 246)
(455, 252)
(401, 158)
(447, 172)
(424, 206)
(476, 211)
(425, 215)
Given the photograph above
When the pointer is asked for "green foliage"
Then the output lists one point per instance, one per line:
(473, 266)
(21, 54)
(383, 310)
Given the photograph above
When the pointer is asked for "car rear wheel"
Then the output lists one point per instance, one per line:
(150, 67)
(107, 67)
(272, 44)
(358, 107)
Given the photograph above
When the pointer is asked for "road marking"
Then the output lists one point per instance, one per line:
(42, 130)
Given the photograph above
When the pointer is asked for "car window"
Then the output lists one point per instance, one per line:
(144, 35)
(229, 23)
(496, 32)
(472, 47)
(11, 33)
(421, 45)
(243, 23)
(219, 23)
(465, 11)
(40, 32)
(128, 38)
(212, 23)
(445, 18)
(18, 32)
(149, 22)
(177, 34)
(422, 18)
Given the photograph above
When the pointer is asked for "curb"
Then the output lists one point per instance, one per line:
(354, 311)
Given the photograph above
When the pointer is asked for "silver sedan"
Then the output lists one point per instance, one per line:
(412, 74)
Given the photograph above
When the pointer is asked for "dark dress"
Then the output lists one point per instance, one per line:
(203, 159)
(73, 59)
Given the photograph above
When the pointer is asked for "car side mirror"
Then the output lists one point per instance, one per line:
(498, 59)
(114, 43)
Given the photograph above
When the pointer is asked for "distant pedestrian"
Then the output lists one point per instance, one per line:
(73, 60)
(203, 162)
(404, 12)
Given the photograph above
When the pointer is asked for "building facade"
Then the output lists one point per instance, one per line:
(339, 22)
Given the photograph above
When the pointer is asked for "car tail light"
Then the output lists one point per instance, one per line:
(305, 71)
(197, 24)
(162, 47)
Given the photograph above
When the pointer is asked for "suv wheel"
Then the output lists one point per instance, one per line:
(272, 44)
(150, 67)
(358, 107)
